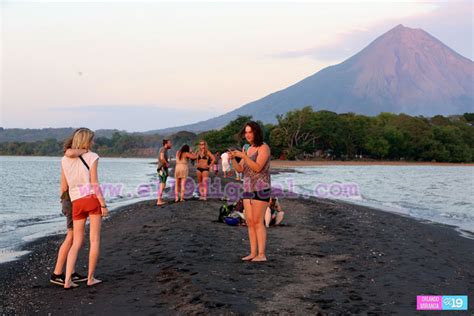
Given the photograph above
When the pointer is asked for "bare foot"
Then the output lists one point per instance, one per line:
(161, 203)
(93, 282)
(248, 258)
(259, 258)
(70, 285)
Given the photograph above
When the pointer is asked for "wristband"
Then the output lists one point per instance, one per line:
(105, 206)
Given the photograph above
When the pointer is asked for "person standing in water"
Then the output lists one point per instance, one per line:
(255, 166)
(181, 171)
(162, 169)
(205, 159)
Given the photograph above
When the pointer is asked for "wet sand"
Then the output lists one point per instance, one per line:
(328, 258)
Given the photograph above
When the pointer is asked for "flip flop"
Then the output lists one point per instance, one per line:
(72, 286)
(97, 282)
(259, 260)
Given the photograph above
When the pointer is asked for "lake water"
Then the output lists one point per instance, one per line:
(30, 208)
(442, 194)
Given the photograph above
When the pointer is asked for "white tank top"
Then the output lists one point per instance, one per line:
(77, 175)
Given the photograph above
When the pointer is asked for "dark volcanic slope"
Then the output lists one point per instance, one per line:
(404, 70)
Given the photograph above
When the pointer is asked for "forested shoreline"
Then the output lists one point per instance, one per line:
(305, 134)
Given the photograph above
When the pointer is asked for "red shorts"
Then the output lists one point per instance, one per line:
(85, 206)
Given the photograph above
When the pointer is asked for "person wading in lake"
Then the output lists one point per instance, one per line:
(255, 166)
(162, 169)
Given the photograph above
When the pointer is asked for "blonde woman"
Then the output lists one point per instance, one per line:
(205, 159)
(181, 171)
(80, 177)
(57, 277)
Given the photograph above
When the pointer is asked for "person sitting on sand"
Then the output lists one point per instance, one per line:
(255, 166)
(162, 169)
(274, 214)
(57, 277)
(205, 160)
(80, 178)
(181, 170)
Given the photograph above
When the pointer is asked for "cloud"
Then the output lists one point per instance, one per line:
(343, 45)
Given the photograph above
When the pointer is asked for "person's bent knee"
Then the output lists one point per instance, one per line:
(69, 236)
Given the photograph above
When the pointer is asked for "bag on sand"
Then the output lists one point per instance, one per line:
(224, 211)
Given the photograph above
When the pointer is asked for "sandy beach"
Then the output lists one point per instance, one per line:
(328, 258)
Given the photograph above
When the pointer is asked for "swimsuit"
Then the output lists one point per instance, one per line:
(257, 185)
(163, 174)
(200, 169)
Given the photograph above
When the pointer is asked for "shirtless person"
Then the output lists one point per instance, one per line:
(163, 165)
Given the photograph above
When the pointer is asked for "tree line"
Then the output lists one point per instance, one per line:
(306, 134)
(386, 136)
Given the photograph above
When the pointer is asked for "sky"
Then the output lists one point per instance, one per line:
(145, 65)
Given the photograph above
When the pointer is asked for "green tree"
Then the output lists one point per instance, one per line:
(353, 133)
(469, 117)
(296, 132)
(221, 140)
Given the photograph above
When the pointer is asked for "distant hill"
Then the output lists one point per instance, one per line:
(38, 134)
(403, 71)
